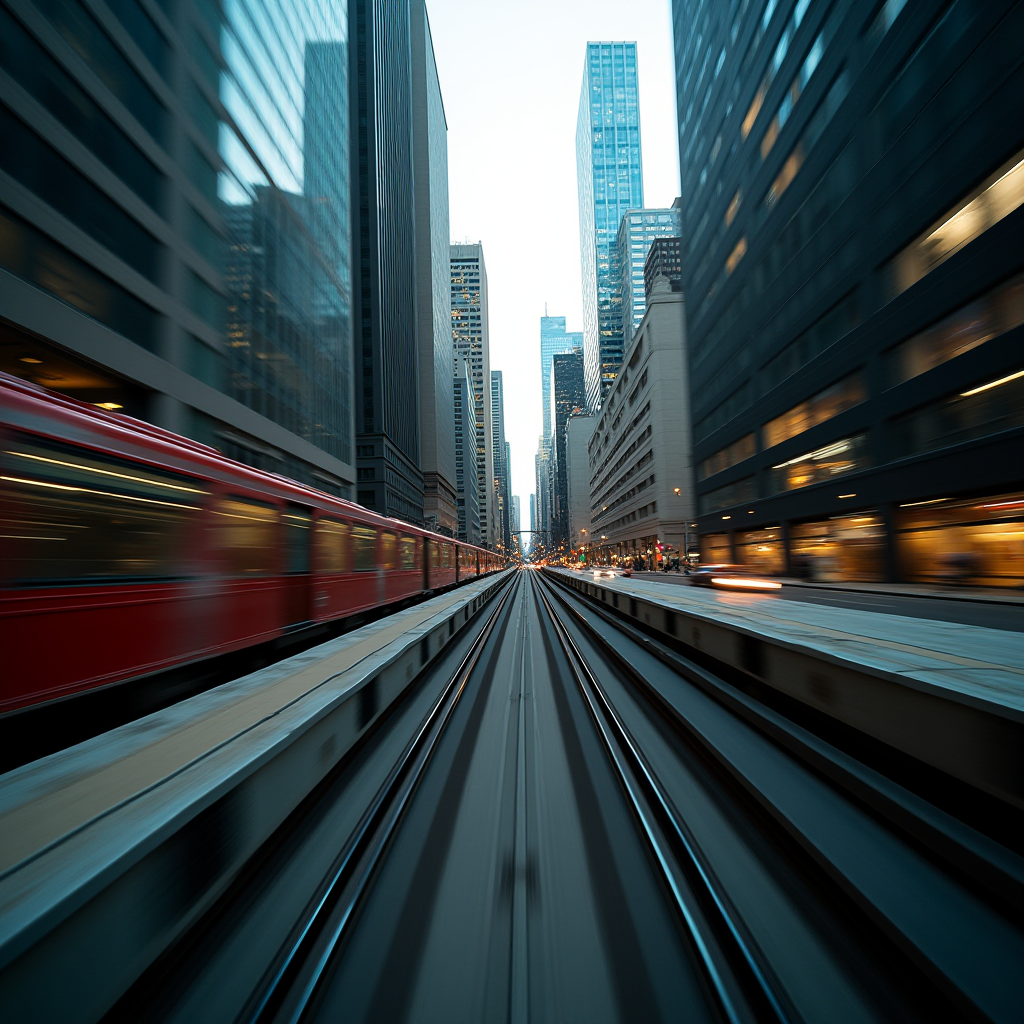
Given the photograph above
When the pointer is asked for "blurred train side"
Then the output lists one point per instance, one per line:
(126, 550)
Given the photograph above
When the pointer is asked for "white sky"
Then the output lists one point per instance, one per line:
(510, 75)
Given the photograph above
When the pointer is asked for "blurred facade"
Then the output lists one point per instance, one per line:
(174, 221)
(553, 338)
(609, 182)
(853, 176)
(433, 282)
(638, 231)
(471, 343)
(384, 216)
(578, 431)
(502, 490)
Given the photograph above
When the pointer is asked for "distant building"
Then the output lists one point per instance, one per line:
(516, 523)
(568, 398)
(390, 479)
(542, 477)
(433, 282)
(501, 461)
(466, 456)
(664, 260)
(471, 343)
(609, 182)
(165, 258)
(854, 283)
(554, 338)
(578, 432)
(637, 231)
(640, 450)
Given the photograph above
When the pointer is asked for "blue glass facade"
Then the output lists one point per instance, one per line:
(610, 182)
(554, 338)
(176, 197)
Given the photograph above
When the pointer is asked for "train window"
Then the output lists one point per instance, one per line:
(407, 551)
(246, 536)
(68, 515)
(388, 553)
(332, 547)
(364, 548)
(297, 526)
(446, 555)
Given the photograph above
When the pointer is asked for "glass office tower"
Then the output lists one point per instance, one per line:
(610, 182)
(174, 222)
(554, 338)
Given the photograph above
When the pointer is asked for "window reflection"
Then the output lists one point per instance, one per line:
(837, 549)
(364, 548)
(762, 550)
(831, 460)
(821, 407)
(246, 537)
(332, 546)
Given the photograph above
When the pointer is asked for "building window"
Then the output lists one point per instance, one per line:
(838, 549)
(972, 325)
(762, 550)
(727, 457)
(821, 407)
(822, 464)
(987, 408)
(997, 197)
(725, 497)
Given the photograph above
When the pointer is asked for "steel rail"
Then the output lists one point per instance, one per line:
(353, 872)
(636, 775)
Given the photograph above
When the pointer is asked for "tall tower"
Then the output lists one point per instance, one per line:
(502, 487)
(553, 339)
(610, 182)
(471, 343)
(433, 282)
(389, 478)
(567, 399)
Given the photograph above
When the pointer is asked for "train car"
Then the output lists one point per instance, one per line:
(127, 550)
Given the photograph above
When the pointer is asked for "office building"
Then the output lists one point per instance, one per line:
(433, 282)
(568, 398)
(852, 182)
(471, 343)
(174, 241)
(553, 338)
(609, 179)
(665, 259)
(389, 477)
(542, 485)
(638, 230)
(516, 524)
(502, 489)
(578, 431)
(466, 457)
(640, 452)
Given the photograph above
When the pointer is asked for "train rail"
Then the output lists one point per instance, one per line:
(565, 819)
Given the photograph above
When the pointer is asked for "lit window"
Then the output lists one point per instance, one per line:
(738, 252)
(994, 199)
(836, 459)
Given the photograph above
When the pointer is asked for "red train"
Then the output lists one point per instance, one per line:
(126, 550)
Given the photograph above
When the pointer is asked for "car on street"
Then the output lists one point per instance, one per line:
(724, 576)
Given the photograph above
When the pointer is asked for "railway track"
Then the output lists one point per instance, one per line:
(565, 820)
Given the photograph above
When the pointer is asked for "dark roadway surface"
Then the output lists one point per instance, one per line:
(518, 887)
(971, 613)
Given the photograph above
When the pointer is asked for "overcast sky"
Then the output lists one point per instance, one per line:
(510, 75)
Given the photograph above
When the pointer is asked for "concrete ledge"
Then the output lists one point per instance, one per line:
(965, 724)
(109, 850)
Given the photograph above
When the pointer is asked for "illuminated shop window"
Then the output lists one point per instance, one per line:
(841, 548)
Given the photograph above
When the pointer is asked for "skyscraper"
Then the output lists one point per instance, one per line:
(568, 398)
(433, 276)
(176, 239)
(471, 343)
(854, 284)
(390, 480)
(609, 182)
(466, 458)
(553, 338)
(637, 232)
(502, 489)
(542, 478)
